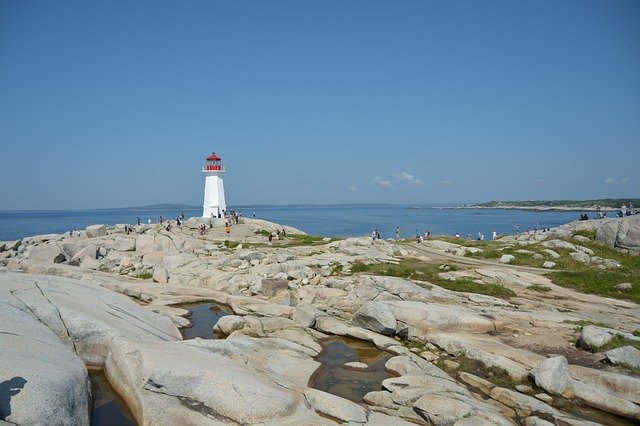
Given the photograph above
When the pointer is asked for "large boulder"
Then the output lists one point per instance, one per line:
(47, 253)
(621, 232)
(553, 375)
(626, 355)
(96, 231)
(42, 381)
(378, 317)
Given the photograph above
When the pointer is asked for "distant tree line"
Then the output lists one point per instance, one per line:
(613, 203)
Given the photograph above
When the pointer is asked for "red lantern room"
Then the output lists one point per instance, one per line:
(213, 163)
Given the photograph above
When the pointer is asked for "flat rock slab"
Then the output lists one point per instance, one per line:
(84, 317)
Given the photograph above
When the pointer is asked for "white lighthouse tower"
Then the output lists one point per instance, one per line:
(214, 204)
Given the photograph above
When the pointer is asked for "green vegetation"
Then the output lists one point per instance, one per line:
(144, 275)
(231, 244)
(304, 240)
(617, 342)
(417, 270)
(582, 323)
(539, 288)
(589, 233)
(360, 267)
(568, 272)
(337, 269)
(589, 278)
(495, 375)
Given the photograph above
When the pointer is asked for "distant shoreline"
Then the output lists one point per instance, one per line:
(594, 205)
(543, 208)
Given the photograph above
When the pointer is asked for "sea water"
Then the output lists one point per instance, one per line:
(328, 220)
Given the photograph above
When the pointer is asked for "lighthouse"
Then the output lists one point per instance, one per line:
(214, 204)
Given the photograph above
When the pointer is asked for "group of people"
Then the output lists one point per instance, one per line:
(232, 217)
(480, 237)
(277, 236)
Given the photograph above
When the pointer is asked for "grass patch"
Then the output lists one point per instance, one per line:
(589, 233)
(294, 240)
(486, 253)
(618, 342)
(231, 244)
(601, 282)
(468, 286)
(414, 269)
(144, 275)
(495, 375)
(337, 269)
(582, 323)
(539, 288)
(360, 267)
(586, 277)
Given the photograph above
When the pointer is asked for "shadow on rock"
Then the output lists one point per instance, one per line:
(9, 388)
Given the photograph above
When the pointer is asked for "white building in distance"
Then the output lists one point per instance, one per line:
(214, 204)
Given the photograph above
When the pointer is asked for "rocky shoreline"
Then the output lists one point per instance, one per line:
(110, 299)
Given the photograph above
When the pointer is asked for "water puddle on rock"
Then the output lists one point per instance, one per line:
(203, 317)
(108, 408)
(591, 414)
(334, 378)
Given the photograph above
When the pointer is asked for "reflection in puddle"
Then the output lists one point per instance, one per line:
(333, 378)
(203, 317)
(108, 408)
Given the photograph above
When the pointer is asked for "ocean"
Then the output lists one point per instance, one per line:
(327, 220)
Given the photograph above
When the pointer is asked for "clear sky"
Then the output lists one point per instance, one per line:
(118, 103)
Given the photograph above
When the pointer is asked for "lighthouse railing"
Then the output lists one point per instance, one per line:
(213, 168)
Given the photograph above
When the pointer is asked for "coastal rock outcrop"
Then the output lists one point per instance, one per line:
(621, 233)
(285, 296)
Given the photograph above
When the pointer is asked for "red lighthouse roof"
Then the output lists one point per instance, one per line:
(213, 157)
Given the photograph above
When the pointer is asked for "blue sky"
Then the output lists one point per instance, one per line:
(113, 104)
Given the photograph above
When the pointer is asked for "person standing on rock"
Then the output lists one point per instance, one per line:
(138, 220)
(397, 233)
(494, 235)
